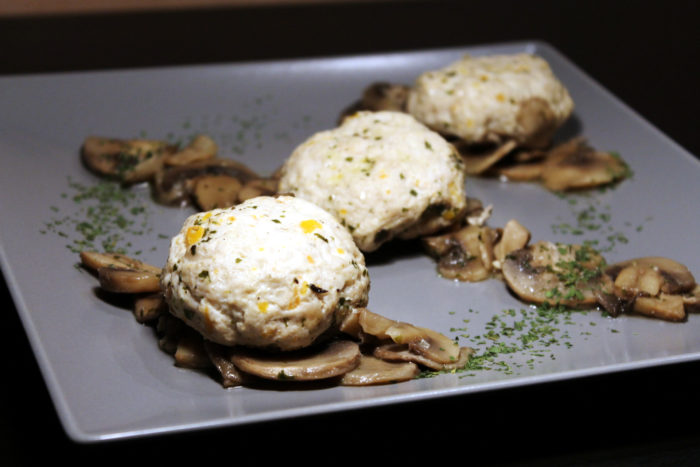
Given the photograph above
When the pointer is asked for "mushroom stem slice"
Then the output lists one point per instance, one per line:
(220, 358)
(120, 280)
(201, 148)
(330, 360)
(478, 162)
(514, 237)
(373, 371)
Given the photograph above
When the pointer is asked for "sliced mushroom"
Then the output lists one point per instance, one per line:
(121, 280)
(466, 254)
(477, 160)
(514, 237)
(402, 352)
(664, 306)
(668, 276)
(201, 148)
(94, 260)
(221, 359)
(374, 371)
(257, 187)
(653, 286)
(525, 172)
(320, 362)
(174, 185)
(130, 161)
(149, 307)
(430, 344)
(380, 96)
(169, 330)
(216, 191)
(190, 352)
(691, 300)
(570, 275)
(575, 165)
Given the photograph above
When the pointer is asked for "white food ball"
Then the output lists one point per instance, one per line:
(382, 174)
(270, 272)
(492, 98)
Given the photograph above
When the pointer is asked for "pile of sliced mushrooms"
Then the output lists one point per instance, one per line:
(364, 349)
(178, 176)
(574, 276)
(568, 166)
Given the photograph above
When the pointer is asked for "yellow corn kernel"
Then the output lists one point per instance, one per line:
(194, 234)
(262, 306)
(310, 225)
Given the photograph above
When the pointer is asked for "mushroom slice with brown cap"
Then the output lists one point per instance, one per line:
(430, 344)
(401, 352)
(121, 274)
(466, 254)
(95, 260)
(216, 191)
(575, 165)
(319, 362)
(130, 161)
(570, 275)
(373, 371)
(174, 185)
(121, 280)
(380, 96)
(650, 275)
(654, 286)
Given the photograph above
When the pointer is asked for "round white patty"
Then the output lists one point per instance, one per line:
(270, 272)
(478, 99)
(382, 175)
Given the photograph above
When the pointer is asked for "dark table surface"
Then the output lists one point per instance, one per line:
(646, 53)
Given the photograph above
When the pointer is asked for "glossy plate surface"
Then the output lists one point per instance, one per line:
(105, 374)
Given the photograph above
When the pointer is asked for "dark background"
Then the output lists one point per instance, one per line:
(646, 53)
